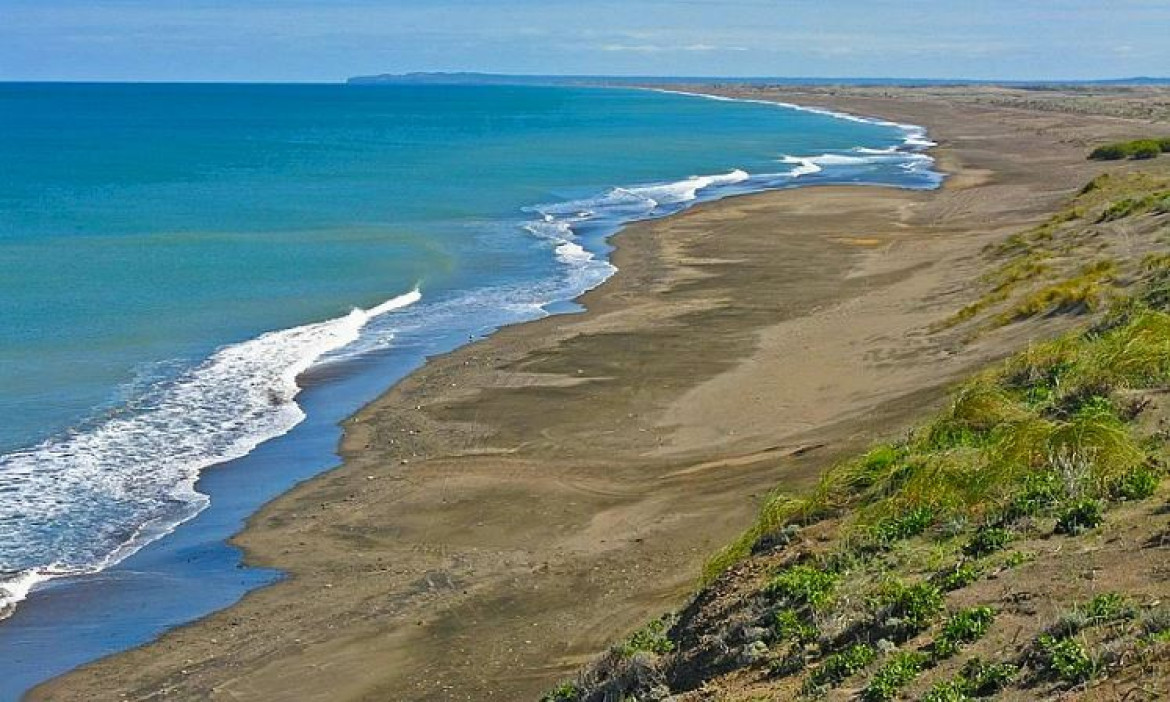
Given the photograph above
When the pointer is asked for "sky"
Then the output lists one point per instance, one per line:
(329, 40)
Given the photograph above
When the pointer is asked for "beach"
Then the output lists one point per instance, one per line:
(513, 507)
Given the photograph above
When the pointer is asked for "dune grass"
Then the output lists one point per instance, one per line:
(1051, 429)
(1042, 271)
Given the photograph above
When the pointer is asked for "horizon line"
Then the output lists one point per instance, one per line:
(583, 76)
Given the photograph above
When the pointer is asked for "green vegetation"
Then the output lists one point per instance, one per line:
(805, 585)
(964, 627)
(788, 625)
(1155, 624)
(1130, 206)
(1085, 291)
(652, 638)
(1137, 484)
(901, 527)
(911, 608)
(987, 540)
(1080, 516)
(957, 577)
(1059, 654)
(902, 668)
(843, 665)
(1108, 607)
(976, 679)
(1064, 659)
(565, 692)
(1137, 149)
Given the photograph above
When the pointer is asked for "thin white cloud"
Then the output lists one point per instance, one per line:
(660, 48)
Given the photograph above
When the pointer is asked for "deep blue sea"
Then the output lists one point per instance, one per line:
(188, 272)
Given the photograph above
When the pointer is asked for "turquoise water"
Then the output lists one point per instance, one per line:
(172, 258)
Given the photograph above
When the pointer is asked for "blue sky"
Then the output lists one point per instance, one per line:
(328, 40)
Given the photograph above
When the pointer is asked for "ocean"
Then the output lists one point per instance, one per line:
(212, 276)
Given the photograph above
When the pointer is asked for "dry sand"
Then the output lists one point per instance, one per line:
(513, 507)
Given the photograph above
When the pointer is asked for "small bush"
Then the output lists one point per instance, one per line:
(1080, 516)
(956, 578)
(947, 691)
(804, 585)
(987, 540)
(911, 524)
(1155, 624)
(1137, 149)
(788, 625)
(967, 626)
(910, 609)
(1064, 659)
(1145, 149)
(895, 674)
(842, 665)
(1109, 152)
(1108, 607)
(1136, 484)
(651, 638)
(565, 692)
(985, 679)
(1040, 492)
(976, 679)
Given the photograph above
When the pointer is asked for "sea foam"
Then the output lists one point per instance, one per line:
(99, 494)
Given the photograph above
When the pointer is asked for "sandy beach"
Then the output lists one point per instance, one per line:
(513, 507)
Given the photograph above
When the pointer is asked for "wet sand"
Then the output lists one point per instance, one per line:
(513, 507)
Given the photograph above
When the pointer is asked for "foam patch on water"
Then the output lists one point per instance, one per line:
(914, 137)
(95, 496)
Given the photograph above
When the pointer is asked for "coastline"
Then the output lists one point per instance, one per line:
(427, 527)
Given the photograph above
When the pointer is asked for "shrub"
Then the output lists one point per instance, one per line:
(962, 575)
(1040, 492)
(895, 674)
(1137, 149)
(1080, 516)
(1109, 152)
(976, 679)
(842, 665)
(987, 540)
(1136, 484)
(947, 691)
(787, 625)
(1145, 149)
(1125, 208)
(910, 609)
(1108, 607)
(804, 585)
(1064, 659)
(651, 638)
(1155, 624)
(985, 679)
(963, 627)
